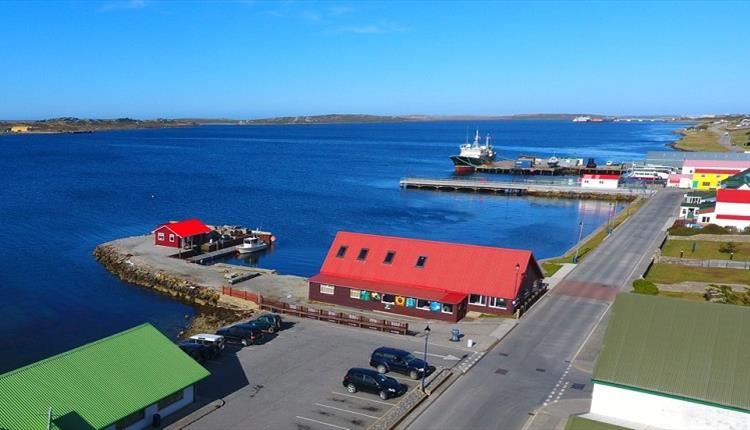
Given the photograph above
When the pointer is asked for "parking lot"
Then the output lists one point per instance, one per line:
(294, 380)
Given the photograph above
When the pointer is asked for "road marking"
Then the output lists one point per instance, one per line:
(346, 410)
(362, 398)
(321, 422)
(444, 357)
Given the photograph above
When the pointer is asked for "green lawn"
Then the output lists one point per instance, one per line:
(704, 250)
(550, 268)
(700, 140)
(740, 137)
(662, 273)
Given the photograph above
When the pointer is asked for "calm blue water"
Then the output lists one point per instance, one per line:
(64, 194)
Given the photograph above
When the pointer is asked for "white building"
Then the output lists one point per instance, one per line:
(600, 181)
(732, 208)
(673, 364)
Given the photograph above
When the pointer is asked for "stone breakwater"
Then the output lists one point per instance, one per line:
(121, 265)
(212, 309)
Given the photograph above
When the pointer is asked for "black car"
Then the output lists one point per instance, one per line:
(198, 352)
(396, 360)
(357, 379)
(258, 325)
(272, 319)
(242, 335)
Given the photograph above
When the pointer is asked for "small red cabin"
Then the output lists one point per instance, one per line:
(427, 279)
(181, 234)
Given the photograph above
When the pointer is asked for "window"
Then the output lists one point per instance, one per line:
(160, 236)
(447, 309)
(131, 419)
(341, 252)
(475, 299)
(421, 260)
(171, 238)
(354, 294)
(327, 289)
(170, 399)
(706, 219)
(389, 298)
(423, 304)
(496, 302)
(389, 257)
(362, 254)
(706, 184)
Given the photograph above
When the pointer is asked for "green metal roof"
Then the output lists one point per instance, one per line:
(697, 351)
(581, 423)
(738, 180)
(97, 384)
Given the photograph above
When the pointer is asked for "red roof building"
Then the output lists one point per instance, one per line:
(436, 280)
(181, 234)
(600, 181)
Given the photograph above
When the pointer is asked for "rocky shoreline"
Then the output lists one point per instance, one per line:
(212, 310)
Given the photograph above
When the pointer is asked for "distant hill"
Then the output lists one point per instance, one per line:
(362, 118)
(83, 125)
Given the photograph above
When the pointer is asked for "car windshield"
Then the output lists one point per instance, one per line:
(409, 357)
(381, 378)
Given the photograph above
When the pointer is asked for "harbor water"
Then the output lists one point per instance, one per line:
(63, 194)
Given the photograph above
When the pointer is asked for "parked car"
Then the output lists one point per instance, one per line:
(391, 359)
(242, 335)
(357, 379)
(273, 319)
(264, 326)
(213, 341)
(199, 353)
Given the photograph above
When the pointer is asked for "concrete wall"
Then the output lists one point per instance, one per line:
(663, 412)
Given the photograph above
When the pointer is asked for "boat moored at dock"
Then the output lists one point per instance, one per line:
(473, 155)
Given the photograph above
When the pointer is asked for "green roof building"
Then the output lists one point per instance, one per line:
(740, 181)
(119, 382)
(674, 364)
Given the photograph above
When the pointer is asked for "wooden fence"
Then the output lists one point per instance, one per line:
(345, 318)
(241, 294)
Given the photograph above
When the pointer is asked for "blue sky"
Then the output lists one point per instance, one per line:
(249, 59)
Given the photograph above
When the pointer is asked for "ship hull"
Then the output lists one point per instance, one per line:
(464, 165)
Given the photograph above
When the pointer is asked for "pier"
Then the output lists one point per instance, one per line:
(509, 167)
(523, 188)
(208, 256)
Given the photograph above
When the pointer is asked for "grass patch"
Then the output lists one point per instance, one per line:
(697, 297)
(597, 238)
(662, 273)
(550, 268)
(642, 286)
(740, 138)
(704, 250)
(699, 141)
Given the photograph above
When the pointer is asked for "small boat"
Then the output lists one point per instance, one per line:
(251, 244)
(553, 161)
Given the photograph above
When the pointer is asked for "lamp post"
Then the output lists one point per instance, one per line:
(578, 243)
(609, 217)
(426, 338)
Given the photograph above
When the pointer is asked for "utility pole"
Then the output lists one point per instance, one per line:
(578, 244)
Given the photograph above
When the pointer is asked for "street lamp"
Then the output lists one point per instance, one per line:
(609, 217)
(424, 370)
(578, 244)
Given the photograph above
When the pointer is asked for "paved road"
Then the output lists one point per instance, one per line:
(532, 366)
(725, 140)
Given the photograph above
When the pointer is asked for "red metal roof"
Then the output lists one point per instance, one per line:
(729, 195)
(398, 290)
(718, 171)
(449, 267)
(590, 176)
(735, 217)
(185, 228)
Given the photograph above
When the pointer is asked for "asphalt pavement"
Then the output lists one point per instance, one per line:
(534, 366)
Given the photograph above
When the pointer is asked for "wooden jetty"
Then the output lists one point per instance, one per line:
(207, 256)
(522, 188)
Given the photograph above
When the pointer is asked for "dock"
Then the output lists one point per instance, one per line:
(522, 188)
(207, 256)
(509, 167)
